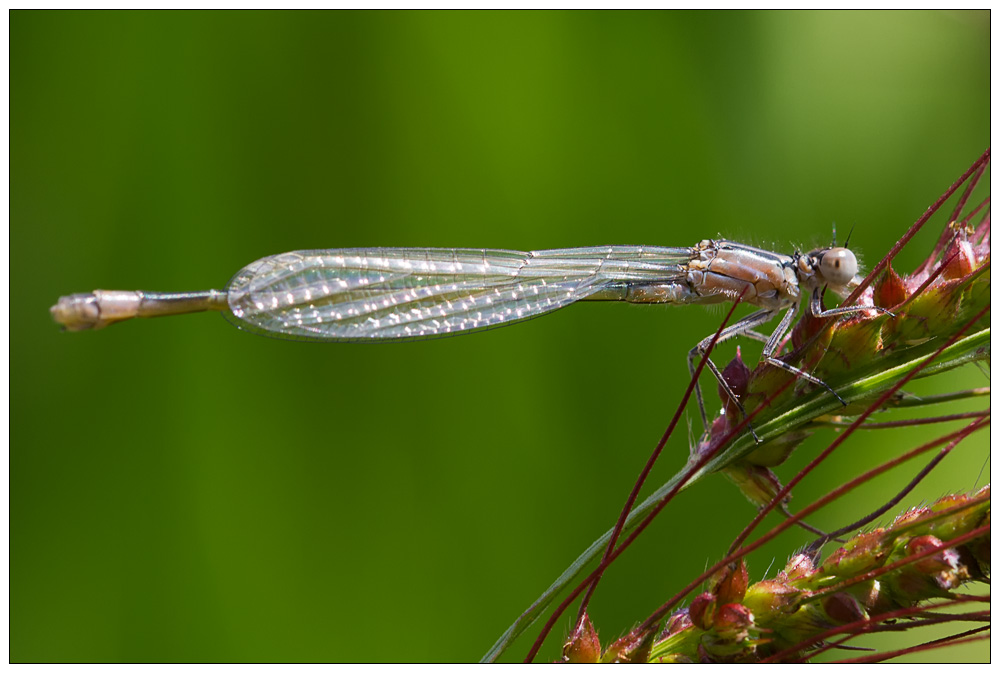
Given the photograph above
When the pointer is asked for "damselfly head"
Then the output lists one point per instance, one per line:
(833, 268)
(838, 266)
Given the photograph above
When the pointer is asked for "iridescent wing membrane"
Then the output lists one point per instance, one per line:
(368, 294)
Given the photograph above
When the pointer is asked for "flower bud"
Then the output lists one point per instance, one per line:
(679, 621)
(632, 648)
(733, 622)
(702, 611)
(961, 258)
(947, 559)
(799, 566)
(737, 375)
(772, 596)
(732, 584)
(843, 608)
(890, 290)
(583, 646)
(863, 553)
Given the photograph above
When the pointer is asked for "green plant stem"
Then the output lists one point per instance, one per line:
(914, 401)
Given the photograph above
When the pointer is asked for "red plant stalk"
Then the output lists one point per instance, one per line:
(945, 291)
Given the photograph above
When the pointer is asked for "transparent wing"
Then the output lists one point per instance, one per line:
(411, 293)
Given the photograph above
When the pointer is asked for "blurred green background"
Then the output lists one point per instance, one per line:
(182, 491)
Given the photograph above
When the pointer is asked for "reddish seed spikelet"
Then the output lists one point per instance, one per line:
(738, 623)
(799, 566)
(633, 648)
(702, 611)
(890, 289)
(583, 646)
(733, 622)
(732, 585)
(679, 621)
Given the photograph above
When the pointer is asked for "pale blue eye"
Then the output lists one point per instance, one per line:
(838, 266)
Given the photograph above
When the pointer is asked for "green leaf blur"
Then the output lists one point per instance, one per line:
(181, 491)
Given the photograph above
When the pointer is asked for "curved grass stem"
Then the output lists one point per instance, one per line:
(939, 321)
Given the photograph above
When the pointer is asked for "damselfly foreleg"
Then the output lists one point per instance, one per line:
(816, 308)
(773, 344)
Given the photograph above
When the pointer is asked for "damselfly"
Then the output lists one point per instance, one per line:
(376, 294)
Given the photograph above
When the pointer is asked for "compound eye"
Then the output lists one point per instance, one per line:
(838, 266)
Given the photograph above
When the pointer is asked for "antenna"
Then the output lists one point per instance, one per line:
(849, 236)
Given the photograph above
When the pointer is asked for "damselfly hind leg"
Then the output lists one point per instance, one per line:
(743, 327)
(746, 327)
(693, 355)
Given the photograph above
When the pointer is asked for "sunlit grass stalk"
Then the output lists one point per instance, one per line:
(904, 620)
(957, 639)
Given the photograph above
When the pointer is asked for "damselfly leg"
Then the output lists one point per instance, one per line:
(772, 344)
